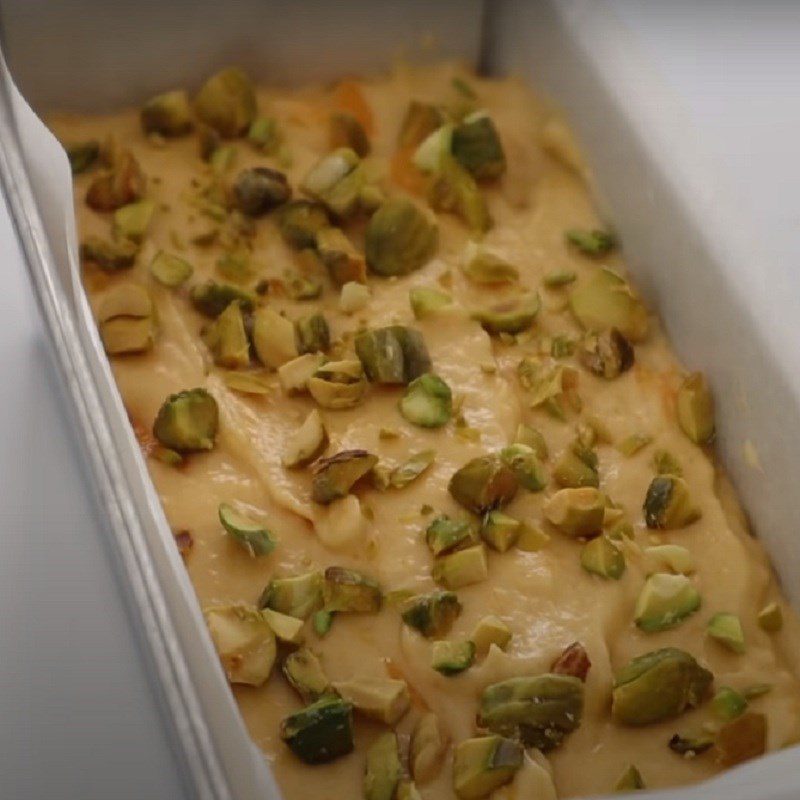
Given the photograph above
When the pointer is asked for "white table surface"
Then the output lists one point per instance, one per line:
(73, 691)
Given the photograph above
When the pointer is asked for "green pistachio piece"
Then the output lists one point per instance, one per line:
(573, 660)
(461, 568)
(426, 301)
(630, 781)
(307, 442)
(286, 628)
(668, 505)
(312, 334)
(334, 477)
(591, 242)
(427, 748)
(336, 181)
(82, 155)
(187, 421)
(343, 262)
(212, 298)
(303, 670)
(431, 614)
(484, 764)
(657, 686)
(133, 220)
(121, 184)
(294, 375)
(690, 746)
(127, 335)
(434, 151)
(347, 131)
(483, 484)
(727, 703)
(665, 463)
(490, 631)
(540, 711)
(675, 558)
(402, 475)
(485, 268)
(385, 700)
(444, 535)
(420, 121)
(235, 266)
(264, 135)
(531, 539)
(244, 641)
(695, 408)
(346, 590)
(126, 300)
(299, 222)
(453, 189)
(295, 595)
(273, 338)
(532, 438)
(399, 238)
(524, 463)
(576, 512)
(109, 256)
(393, 355)
(320, 732)
(427, 402)
(741, 739)
(607, 354)
(167, 114)
(260, 189)
(632, 444)
(559, 278)
(170, 270)
(665, 601)
(770, 618)
(383, 769)
(477, 147)
(726, 629)
(577, 467)
(322, 621)
(605, 300)
(354, 297)
(452, 657)
(602, 557)
(227, 339)
(338, 384)
(227, 102)
(252, 535)
(500, 531)
(513, 315)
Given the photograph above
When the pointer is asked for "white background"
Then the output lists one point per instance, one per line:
(73, 692)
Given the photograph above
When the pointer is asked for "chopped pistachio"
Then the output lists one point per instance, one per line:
(420, 121)
(303, 670)
(295, 595)
(500, 531)
(244, 641)
(227, 338)
(431, 614)
(665, 601)
(452, 657)
(170, 270)
(461, 568)
(741, 739)
(264, 135)
(576, 512)
(347, 131)
(321, 621)
(577, 467)
(444, 535)
(483, 484)
(658, 685)
(452, 189)
(559, 278)
(477, 147)
(295, 375)
(187, 421)
(82, 155)
(320, 732)
(299, 222)
(591, 242)
(434, 150)
(247, 383)
(632, 444)
(607, 353)
(383, 699)
(426, 301)
(167, 114)
(665, 463)
(690, 746)
(411, 469)
(125, 300)
(532, 438)
(541, 711)
(227, 102)
(770, 618)
(253, 536)
(354, 297)
(109, 256)
(727, 703)
(260, 189)
(312, 334)
(484, 764)
(132, 221)
(605, 300)
(302, 288)
(602, 557)
(286, 628)
(695, 408)
(336, 181)
(427, 402)
(383, 769)
(630, 781)
(524, 463)
(668, 504)
(127, 335)
(392, 355)
(672, 556)
(562, 347)
(212, 298)
(513, 315)
(235, 266)
(399, 238)
(121, 184)
(726, 628)
(307, 442)
(343, 262)
(348, 591)
(531, 539)
(573, 660)
(273, 338)
(490, 631)
(334, 477)
(338, 384)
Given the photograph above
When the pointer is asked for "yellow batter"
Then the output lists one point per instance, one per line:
(544, 597)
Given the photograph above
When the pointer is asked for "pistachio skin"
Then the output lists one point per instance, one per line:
(741, 739)
(320, 732)
(668, 505)
(476, 146)
(483, 484)
(259, 190)
(109, 256)
(393, 355)
(431, 614)
(658, 685)
(212, 298)
(607, 354)
(122, 184)
(187, 421)
(334, 477)
(574, 660)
